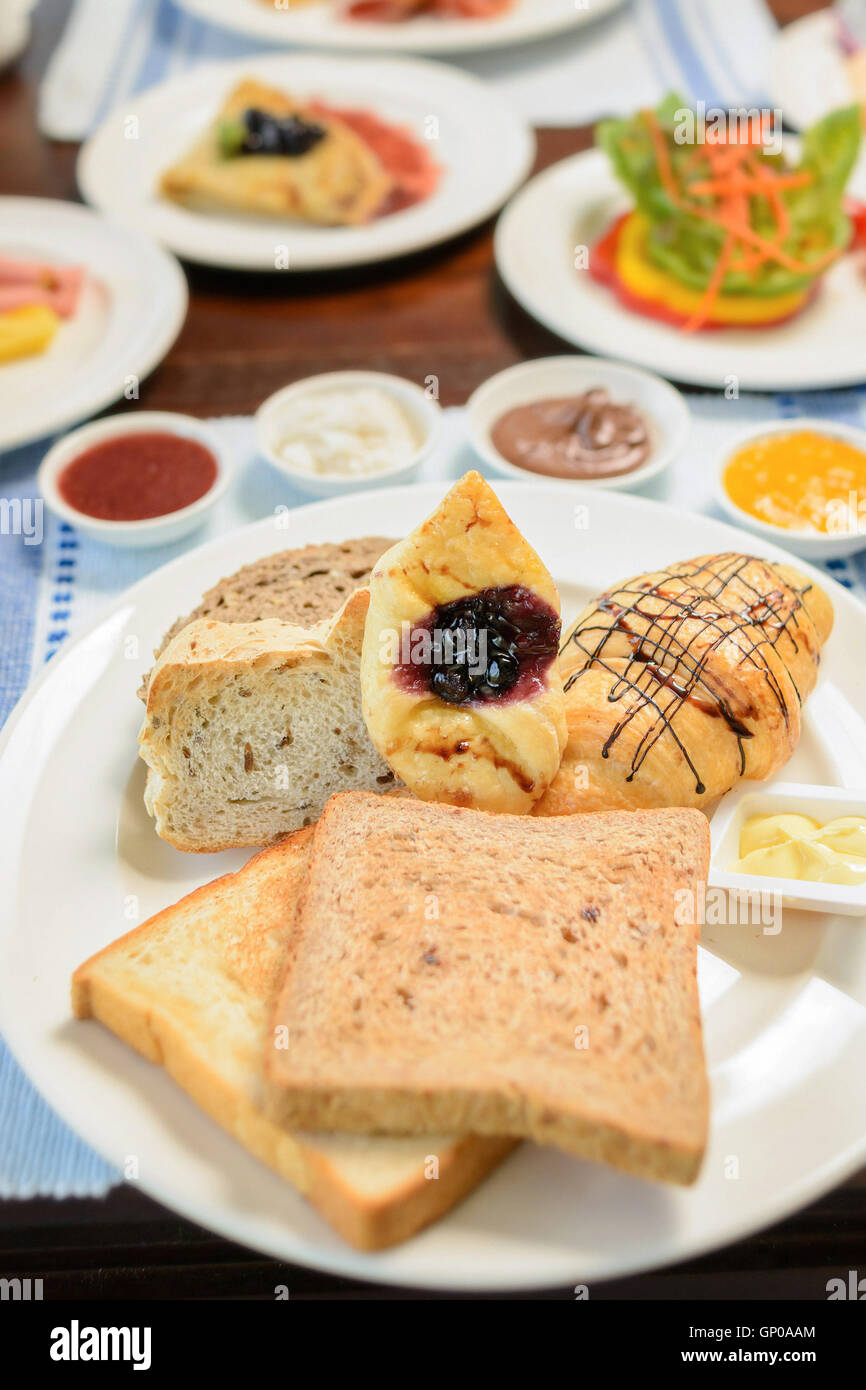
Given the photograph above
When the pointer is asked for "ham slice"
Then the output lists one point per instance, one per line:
(38, 282)
(414, 173)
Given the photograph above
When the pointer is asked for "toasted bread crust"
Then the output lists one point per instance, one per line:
(404, 1023)
(162, 1028)
(249, 727)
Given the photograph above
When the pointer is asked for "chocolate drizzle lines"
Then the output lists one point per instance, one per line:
(671, 648)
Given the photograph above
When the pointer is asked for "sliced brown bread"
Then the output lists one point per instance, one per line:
(193, 990)
(302, 586)
(250, 727)
(458, 970)
(297, 586)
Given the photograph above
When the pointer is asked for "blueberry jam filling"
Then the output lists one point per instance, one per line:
(494, 645)
(257, 132)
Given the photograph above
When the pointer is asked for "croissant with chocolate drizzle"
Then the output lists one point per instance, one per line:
(681, 682)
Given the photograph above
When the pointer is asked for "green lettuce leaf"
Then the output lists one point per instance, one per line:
(688, 246)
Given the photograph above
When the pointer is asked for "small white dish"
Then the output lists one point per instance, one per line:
(156, 530)
(273, 414)
(760, 799)
(665, 409)
(810, 545)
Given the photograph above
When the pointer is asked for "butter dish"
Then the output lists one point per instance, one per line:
(760, 799)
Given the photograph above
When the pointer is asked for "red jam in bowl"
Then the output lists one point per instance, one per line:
(136, 476)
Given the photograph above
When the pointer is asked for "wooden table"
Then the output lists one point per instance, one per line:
(442, 312)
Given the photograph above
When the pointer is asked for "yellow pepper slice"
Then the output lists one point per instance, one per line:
(648, 281)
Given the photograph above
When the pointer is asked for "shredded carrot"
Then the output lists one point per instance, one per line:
(758, 183)
(720, 270)
(731, 173)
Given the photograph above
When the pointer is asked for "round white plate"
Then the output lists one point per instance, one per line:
(484, 149)
(131, 310)
(322, 25)
(785, 1015)
(569, 206)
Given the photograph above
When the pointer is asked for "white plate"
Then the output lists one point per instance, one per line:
(785, 1015)
(321, 26)
(483, 147)
(131, 310)
(571, 204)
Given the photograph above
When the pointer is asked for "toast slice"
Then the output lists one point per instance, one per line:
(461, 971)
(193, 990)
(250, 727)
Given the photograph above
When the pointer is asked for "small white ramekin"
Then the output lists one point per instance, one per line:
(667, 415)
(809, 545)
(156, 530)
(764, 799)
(425, 412)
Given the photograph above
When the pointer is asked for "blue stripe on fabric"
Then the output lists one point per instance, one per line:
(66, 1167)
(702, 85)
(717, 36)
(28, 1126)
(136, 21)
(662, 64)
(165, 26)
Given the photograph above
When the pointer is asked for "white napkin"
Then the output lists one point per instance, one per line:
(720, 53)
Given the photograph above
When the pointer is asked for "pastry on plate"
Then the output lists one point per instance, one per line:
(459, 677)
(268, 154)
(679, 683)
(553, 994)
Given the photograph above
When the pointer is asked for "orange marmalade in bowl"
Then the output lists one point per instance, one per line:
(800, 480)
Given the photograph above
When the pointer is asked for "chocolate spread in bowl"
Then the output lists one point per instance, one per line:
(587, 436)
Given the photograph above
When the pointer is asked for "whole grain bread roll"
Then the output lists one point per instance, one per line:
(301, 586)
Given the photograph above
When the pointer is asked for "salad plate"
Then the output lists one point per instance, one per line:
(784, 1014)
(552, 241)
(326, 24)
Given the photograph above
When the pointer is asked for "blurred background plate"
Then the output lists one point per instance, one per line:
(132, 307)
(323, 25)
(485, 151)
(572, 203)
